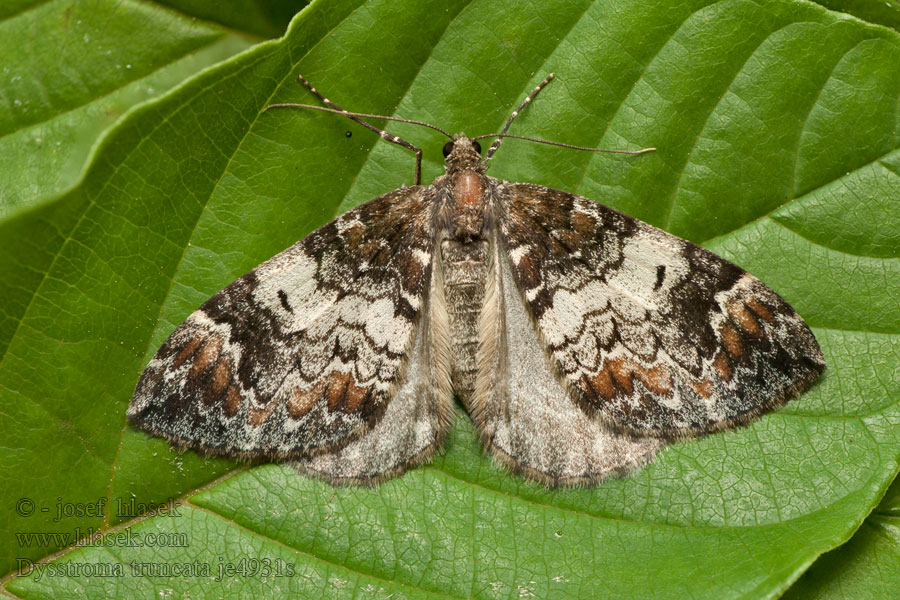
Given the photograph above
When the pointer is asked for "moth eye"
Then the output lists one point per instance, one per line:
(477, 146)
(448, 148)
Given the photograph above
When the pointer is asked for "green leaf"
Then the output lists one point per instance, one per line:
(69, 72)
(264, 18)
(777, 127)
(868, 566)
(883, 12)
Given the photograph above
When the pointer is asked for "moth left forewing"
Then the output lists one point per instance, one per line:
(302, 355)
(654, 335)
(416, 419)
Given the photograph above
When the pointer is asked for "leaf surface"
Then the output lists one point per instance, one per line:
(777, 128)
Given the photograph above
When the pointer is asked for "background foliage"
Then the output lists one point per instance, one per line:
(777, 124)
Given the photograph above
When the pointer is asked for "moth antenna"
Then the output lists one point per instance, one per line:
(356, 114)
(357, 117)
(515, 114)
(540, 141)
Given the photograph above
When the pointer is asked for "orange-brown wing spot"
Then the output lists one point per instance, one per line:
(731, 340)
(354, 397)
(187, 351)
(302, 401)
(570, 239)
(222, 375)
(761, 310)
(353, 235)
(619, 374)
(258, 416)
(583, 223)
(212, 388)
(722, 366)
(576, 231)
(232, 401)
(745, 319)
(704, 388)
(657, 379)
(333, 389)
(206, 356)
(338, 390)
(342, 394)
(601, 384)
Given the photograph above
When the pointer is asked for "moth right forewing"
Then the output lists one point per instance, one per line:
(653, 334)
(524, 415)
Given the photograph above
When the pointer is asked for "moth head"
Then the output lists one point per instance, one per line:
(462, 153)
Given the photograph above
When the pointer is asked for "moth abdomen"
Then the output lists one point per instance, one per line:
(465, 266)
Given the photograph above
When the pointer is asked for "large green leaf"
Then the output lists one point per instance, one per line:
(777, 126)
(69, 71)
(875, 11)
(866, 567)
(266, 18)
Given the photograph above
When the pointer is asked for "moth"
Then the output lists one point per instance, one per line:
(580, 340)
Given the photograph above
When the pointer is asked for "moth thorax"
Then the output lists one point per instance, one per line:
(468, 201)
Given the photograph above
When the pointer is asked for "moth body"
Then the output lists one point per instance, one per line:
(465, 236)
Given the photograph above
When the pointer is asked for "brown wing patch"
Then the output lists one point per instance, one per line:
(745, 319)
(617, 376)
(206, 356)
(232, 401)
(340, 392)
(762, 311)
(722, 366)
(731, 339)
(703, 388)
(222, 375)
(583, 224)
(187, 351)
(301, 402)
(258, 416)
(599, 384)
